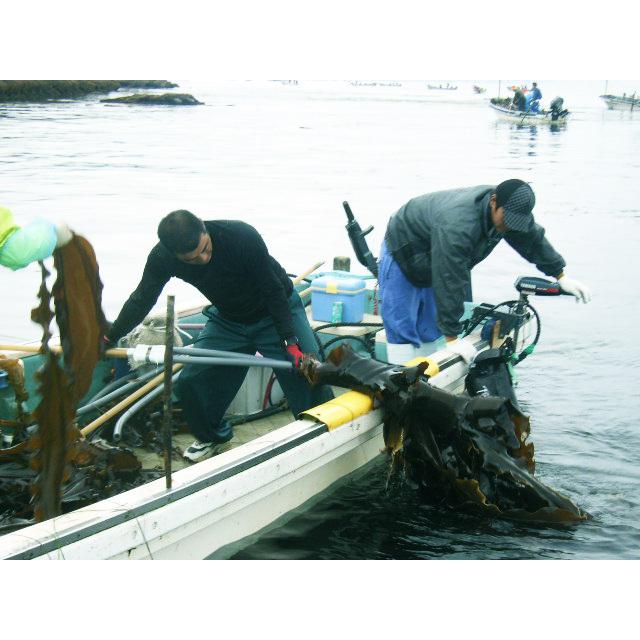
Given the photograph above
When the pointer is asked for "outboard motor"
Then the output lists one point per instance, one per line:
(359, 242)
(556, 109)
(489, 374)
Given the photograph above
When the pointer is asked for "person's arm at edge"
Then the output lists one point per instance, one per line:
(141, 301)
(274, 295)
(534, 247)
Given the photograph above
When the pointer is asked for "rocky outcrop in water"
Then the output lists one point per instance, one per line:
(44, 90)
(173, 99)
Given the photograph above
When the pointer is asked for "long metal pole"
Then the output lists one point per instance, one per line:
(266, 363)
(168, 378)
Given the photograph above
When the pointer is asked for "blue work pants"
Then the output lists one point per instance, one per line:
(408, 312)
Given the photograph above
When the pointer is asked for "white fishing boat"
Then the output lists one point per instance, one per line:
(440, 87)
(274, 467)
(529, 117)
(621, 103)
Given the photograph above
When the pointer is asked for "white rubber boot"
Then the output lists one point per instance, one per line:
(400, 353)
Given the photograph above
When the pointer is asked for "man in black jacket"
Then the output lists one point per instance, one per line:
(431, 245)
(254, 308)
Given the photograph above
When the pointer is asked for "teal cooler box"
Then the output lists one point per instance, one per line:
(328, 290)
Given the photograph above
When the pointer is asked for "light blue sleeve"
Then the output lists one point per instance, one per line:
(35, 241)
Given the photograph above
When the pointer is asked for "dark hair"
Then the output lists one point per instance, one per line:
(504, 190)
(180, 231)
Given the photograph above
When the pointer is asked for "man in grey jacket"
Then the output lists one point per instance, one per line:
(431, 245)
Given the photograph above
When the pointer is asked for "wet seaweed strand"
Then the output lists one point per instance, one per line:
(56, 465)
(77, 296)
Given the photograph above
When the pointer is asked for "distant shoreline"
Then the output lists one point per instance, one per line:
(48, 90)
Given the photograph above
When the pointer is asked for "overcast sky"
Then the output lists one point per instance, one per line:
(403, 39)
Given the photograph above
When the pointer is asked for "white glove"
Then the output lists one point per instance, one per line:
(575, 288)
(463, 348)
(63, 233)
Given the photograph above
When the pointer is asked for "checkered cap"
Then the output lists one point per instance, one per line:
(518, 209)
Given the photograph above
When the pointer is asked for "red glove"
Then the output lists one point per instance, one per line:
(294, 355)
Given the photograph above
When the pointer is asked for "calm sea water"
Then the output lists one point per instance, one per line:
(283, 158)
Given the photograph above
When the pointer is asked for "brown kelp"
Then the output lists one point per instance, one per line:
(467, 451)
(62, 470)
(96, 472)
(77, 295)
(78, 311)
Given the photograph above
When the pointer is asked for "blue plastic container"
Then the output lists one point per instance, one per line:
(326, 290)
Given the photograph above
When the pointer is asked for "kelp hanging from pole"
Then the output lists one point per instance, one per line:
(62, 383)
(469, 452)
(54, 466)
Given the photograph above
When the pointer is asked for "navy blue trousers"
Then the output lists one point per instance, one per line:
(206, 392)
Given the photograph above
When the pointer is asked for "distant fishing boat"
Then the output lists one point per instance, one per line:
(505, 112)
(478, 89)
(621, 103)
(447, 87)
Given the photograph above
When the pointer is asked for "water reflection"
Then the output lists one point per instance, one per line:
(533, 134)
(522, 137)
(529, 140)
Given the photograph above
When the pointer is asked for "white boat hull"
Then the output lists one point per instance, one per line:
(525, 117)
(224, 499)
(619, 103)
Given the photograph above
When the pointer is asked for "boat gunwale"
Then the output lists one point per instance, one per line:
(311, 430)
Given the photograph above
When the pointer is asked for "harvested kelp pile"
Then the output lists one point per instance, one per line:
(34, 471)
(467, 451)
(97, 471)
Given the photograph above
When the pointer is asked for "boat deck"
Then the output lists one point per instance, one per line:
(243, 433)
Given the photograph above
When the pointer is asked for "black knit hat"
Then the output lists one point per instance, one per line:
(518, 200)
